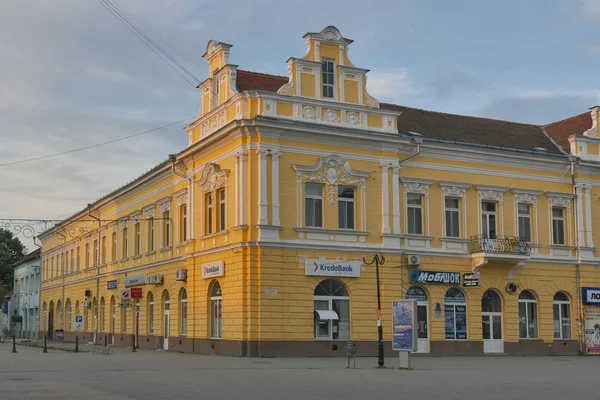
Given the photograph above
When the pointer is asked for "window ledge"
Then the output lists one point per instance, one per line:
(276, 227)
(149, 253)
(561, 247)
(124, 259)
(165, 249)
(210, 235)
(136, 257)
(112, 262)
(238, 227)
(333, 231)
(534, 245)
(412, 236)
(454, 239)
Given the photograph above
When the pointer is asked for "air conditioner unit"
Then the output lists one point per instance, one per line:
(511, 287)
(181, 274)
(88, 293)
(86, 303)
(413, 260)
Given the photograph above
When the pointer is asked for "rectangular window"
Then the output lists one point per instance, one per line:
(103, 249)
(524, 211)
(78, 258)
(114, 246)
(346, 207)
(124, 243)
(210, 211)
(151, 234)
(87, 255)
(222, 212)
(151, 318)
(216, 330)
(96, 254)
(488, 219)
(184, 317)
(328, 79)
(138, 238)
(562, 320)
(558, 225)
(414, 213)
(452, 217)
(166, 229)
(183, 223)
(313, 205)
(455, 319)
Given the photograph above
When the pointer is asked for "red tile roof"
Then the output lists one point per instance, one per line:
(561, 130)
(247, 80)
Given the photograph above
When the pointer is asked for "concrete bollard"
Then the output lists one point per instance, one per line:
(45, 345)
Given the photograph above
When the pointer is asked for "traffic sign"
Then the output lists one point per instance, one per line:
(78, 323)
(136, 293)
(125, 294)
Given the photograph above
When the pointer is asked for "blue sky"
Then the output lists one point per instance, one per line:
(71, 75)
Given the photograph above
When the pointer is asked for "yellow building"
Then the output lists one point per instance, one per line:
(250, 241)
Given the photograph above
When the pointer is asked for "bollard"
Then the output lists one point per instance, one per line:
(45, 346)
(105, 341)
(133, 344)
(77, 343)
(14, 350)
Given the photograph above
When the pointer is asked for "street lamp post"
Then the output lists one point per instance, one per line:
(377, 261)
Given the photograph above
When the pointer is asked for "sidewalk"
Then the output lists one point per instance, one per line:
(55, 345)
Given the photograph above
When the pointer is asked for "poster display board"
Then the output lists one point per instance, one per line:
(404, 333)
(592, 330)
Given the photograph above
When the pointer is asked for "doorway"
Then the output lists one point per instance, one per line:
(491, 319)
(167, 326)
(417, 293)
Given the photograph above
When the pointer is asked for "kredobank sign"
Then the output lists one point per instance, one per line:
(213, 269)
(417, 276)
(332, 268)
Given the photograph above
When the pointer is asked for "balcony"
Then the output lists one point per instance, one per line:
(509, 250)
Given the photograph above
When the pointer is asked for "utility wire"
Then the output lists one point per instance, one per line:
(94, 145)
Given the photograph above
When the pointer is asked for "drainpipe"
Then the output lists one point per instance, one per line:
(416, 151)
(575, 161)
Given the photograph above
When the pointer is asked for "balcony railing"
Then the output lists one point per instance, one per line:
(499, 245)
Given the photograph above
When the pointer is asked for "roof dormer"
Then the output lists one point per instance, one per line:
(220, 84)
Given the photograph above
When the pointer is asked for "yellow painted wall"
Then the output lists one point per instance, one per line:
(351, 91)
(308, 85)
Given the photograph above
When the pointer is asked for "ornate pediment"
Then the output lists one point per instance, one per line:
(213, 177)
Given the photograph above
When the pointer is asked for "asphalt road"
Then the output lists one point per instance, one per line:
(29, 374)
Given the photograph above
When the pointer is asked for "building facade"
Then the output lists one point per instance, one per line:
(25, 301)
(251, 240)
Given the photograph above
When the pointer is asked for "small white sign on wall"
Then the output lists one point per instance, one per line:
(322, 267)
(213, 269)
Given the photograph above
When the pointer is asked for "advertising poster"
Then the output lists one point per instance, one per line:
(404, 321)
(455, 321)
(592, 330)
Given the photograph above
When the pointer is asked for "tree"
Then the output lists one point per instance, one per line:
(11, 251)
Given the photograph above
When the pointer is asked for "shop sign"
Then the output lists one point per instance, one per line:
(156, 279)
(112, 285)
(436, 277)
(332, 268)
(592, 330)
(404, 332)
(471, 279)
(591, 296)
(134, 280)
(270, 292)
(136, 293)
(213, 269)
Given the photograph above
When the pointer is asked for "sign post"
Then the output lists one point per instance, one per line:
(404, 331)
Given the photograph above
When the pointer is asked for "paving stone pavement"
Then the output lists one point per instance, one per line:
(30, 374)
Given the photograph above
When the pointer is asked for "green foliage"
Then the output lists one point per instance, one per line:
(11, 251)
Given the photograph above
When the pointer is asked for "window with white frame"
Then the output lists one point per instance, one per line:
(150, 313)
(166, 229)
(138, 238)
(328, 78)
(488, 219)
(103, 250)
(69, 316)
(184, 312)
(96, 253)
(561, 306)
(87, 255)
(346, 208)
(524, 213)
(452, 205)
(124, 242)
(114, 246)
(150, 224)
(222, 209)
(216, 312)
(210, 213)
(78, 258)
(313, 205)
(414, 213)
(558, 225)
(332, 310)
(528, 325)
(182, 223)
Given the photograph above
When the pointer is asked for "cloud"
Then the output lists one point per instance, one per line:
(449, 82)
(390, 85)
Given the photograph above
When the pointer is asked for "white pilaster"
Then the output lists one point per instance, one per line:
(236, 175)
(275, 154)
(243, 155)
(581, 228)
(263, 202)
(396, 198)
(385, 197)
(588, 215)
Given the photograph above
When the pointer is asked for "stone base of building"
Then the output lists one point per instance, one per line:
(535, 347)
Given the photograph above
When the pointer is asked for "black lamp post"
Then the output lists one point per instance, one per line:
(378, 260)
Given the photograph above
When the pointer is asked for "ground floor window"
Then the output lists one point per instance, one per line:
(123, 319)
(183, 312)
(60, 315)
(216, 312)
(113, 315)
(69, 316)
(528, 327)
(102, 326)
(332, 310)
(562, 316)
(418, 293)
(150, 314)
(455, 315)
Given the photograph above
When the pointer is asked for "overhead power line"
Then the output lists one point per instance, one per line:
(94, 145)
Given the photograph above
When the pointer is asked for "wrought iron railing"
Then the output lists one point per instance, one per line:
(499, 244)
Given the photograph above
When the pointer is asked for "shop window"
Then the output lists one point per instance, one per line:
(455, 314)
(313, 205)
(558, 225)
(332, 310)
(85, 318)
(524, 211)
(414, 213)
(328, 79)
(346, 214)
(183, 310)
(69, 316)
(150, 225)
(452, 217)
(488, 219)
(216, 312)
(102, 315)
(150, 316)
(528, 323)
(561, 306)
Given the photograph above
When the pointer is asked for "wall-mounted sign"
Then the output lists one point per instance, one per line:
(156, 279)
(136, 293)
(112, 285)
(471, 279)
(591, 296)
(125, 294)
(332, 268)
(213, 269)
(592, 330)
(404, 332)
(270, 292)
(134, 280)
(448, 278)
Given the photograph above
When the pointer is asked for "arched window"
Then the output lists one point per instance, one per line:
(166, 316)
(216, 311)
(528, 325)
(490, 302)
(69, 316)
(113, 315)
(150, 313)
(332, 310)
(102, 315)
(455, 314)
(183, 310)
(59, 309)
(561, 306)
(416, 293)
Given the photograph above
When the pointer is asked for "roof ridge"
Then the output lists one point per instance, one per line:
(566, 119)
(262, 73)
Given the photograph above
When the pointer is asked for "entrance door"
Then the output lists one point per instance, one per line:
(167, 327)
(423, 327)
(491, 320)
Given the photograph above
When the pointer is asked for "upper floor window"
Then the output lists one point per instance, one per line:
(222, 212)
(313, 205)
(524, 211)
(414, 213)
(166, 229)
(328, 79)
(558, 225)
(452, 217)
(183, 222)
(346, 207)
(210, 212)
(103, 249)
(488, 219)
(78, 258)
(125, 243)
(138, 238)
(114, 246)
(87, 255)
(96, 252)
(150, 222)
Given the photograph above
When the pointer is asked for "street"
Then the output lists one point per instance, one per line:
(29, 374)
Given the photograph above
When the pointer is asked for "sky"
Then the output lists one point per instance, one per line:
(72, 75)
